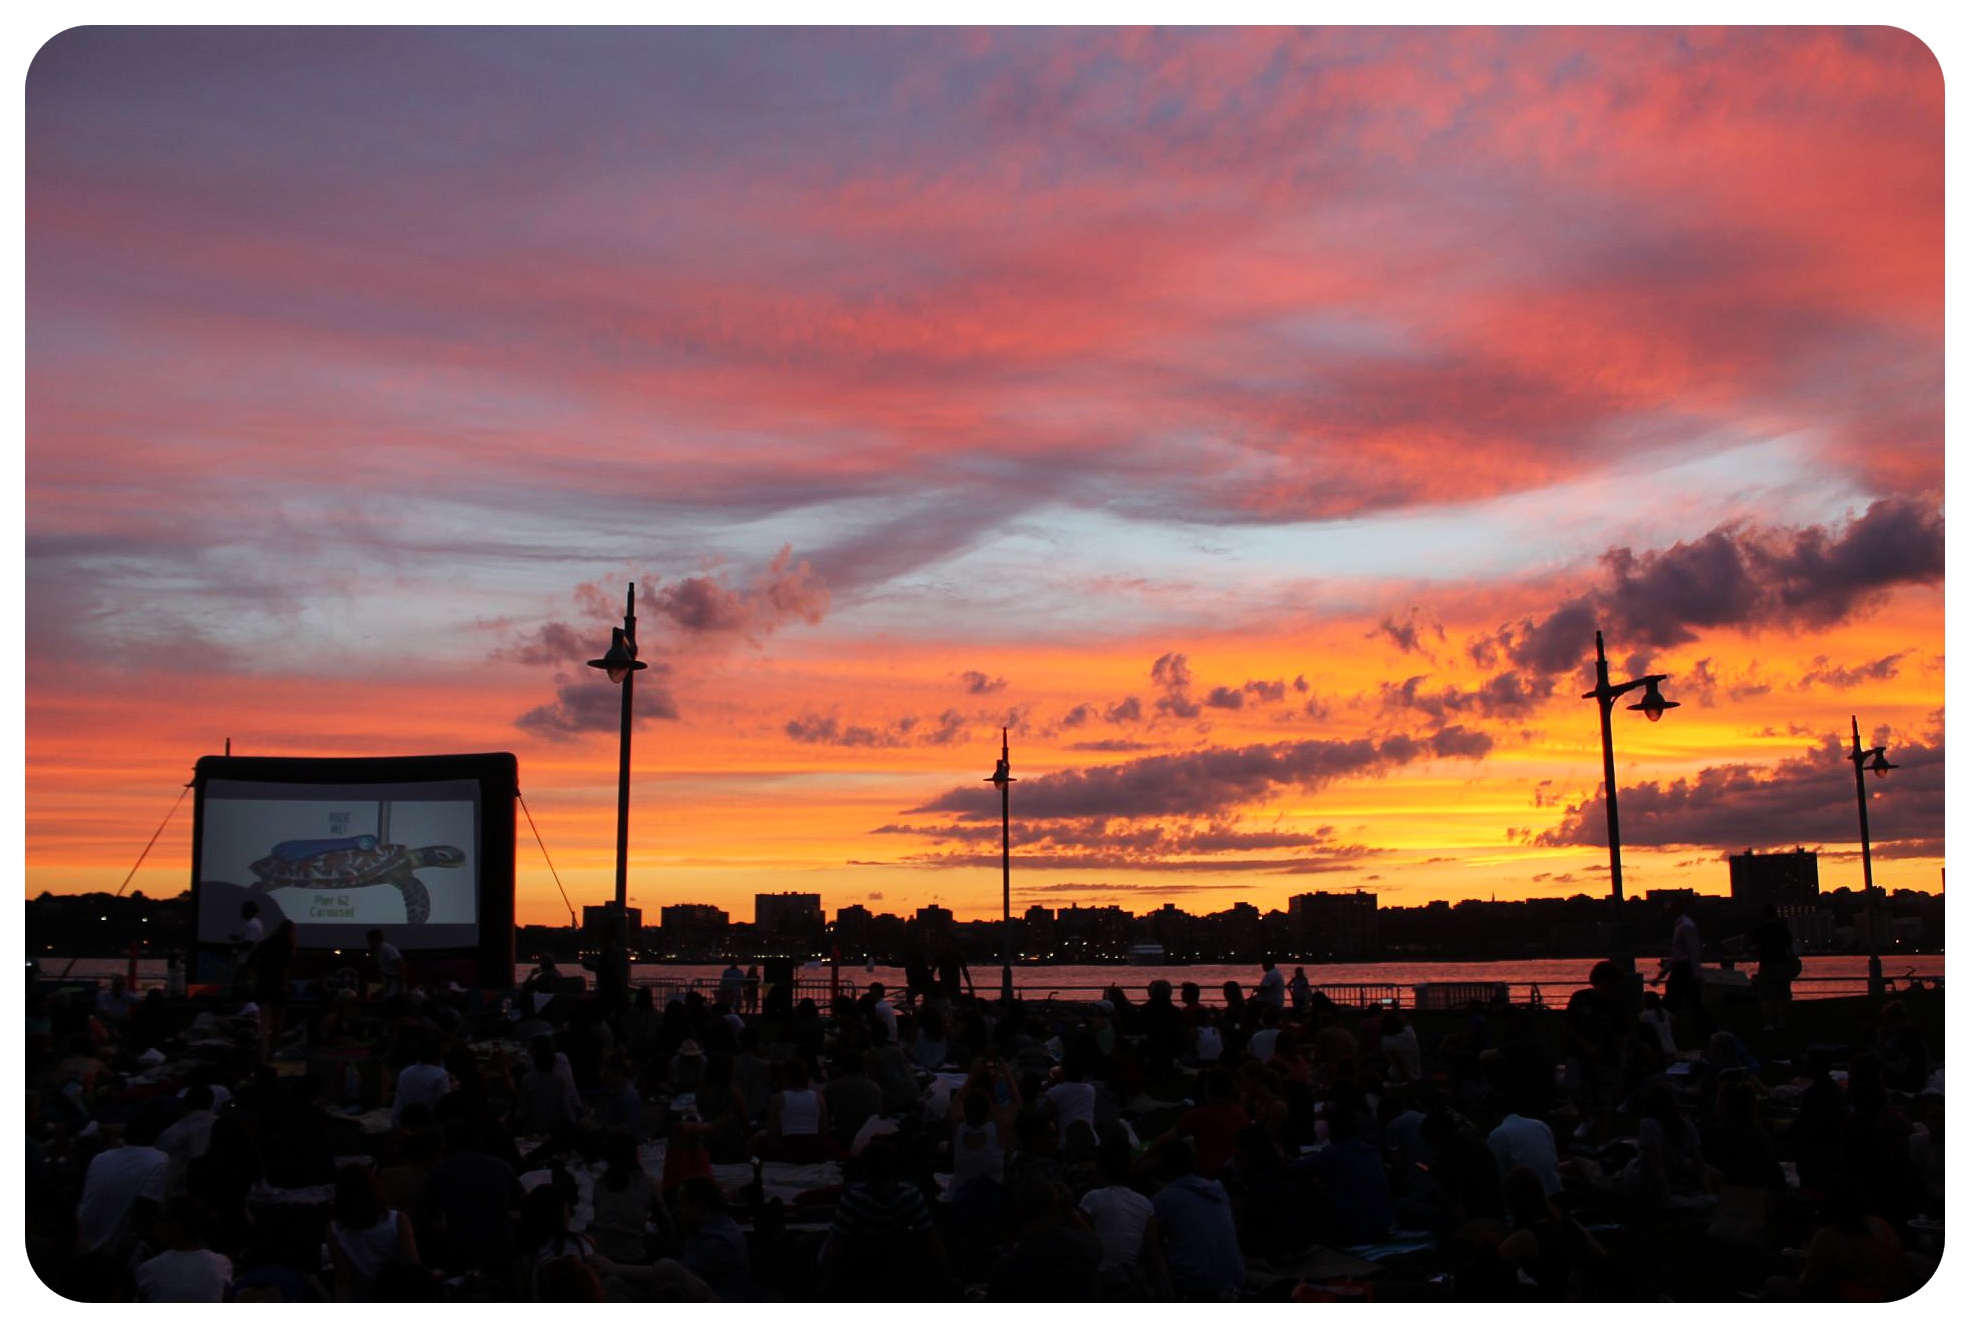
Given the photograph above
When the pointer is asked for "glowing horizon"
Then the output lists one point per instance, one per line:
(1257, 422)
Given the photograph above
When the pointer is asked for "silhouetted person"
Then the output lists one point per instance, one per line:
(1683, 968)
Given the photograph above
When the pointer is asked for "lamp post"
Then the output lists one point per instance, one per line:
(621, 665)
(1652, 705)
(1875, 759)
(1002, 776)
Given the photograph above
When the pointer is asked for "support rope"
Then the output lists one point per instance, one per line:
(140, 859)
(543, 853)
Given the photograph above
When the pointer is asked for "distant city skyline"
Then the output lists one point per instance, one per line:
(1257, 423)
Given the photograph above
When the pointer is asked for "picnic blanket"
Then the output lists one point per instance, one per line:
(1322, 1263)
(781, 1180)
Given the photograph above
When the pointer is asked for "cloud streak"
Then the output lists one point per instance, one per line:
(1208, 781)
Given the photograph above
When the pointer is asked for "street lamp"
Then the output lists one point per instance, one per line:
(1002, 776)
(1652, 705)
(621, 665)
(1875, 759)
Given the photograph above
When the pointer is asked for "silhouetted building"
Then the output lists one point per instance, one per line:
(693, 918)
(1036, 930)
(852, 927)
(598, 922)
(1677, 897)
(796, 913)
(1104, 932)
(1173, 929)
(1337, 925)
(1812, 928)
(1775, 878)
(1239, 932)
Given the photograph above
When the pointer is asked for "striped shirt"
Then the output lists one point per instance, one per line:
(868, 1214)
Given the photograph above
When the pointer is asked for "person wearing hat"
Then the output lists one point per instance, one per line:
(687, 1068)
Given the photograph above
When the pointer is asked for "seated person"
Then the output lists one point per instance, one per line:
(796, 1120)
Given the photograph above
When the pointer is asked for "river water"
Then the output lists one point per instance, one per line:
(1823, 975)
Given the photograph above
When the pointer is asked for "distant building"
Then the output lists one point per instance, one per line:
(1680, 896)
(1775, 878)
(852, 927)
(1812, 928)
(790, 912)
(693, 918)
(1237, 932)
(1101, 932)
(1036, 930)
(598, 922)
(1337, 925)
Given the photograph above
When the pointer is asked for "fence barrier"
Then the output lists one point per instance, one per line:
(1428, 996)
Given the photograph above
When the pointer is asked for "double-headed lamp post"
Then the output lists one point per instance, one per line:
(1002, 776)
(1652, 704)
(621, 665)
(1875, 759)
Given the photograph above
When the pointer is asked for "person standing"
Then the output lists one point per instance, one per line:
(1778, 964)
(732, 984)
(273, 963)
(1301, 991)
(1272, 985)
(1683, 967)
(953, 974)
(389, 963)
(1597, 1036)
(245, 941)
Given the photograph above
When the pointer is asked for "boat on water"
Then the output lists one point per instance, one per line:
(1145, 953)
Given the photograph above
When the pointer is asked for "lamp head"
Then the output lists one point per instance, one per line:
(1881, 765)
(621, 660)
(1653, 703)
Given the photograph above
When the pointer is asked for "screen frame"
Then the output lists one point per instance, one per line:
(489, 962)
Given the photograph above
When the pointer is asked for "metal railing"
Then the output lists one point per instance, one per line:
(1454, 995)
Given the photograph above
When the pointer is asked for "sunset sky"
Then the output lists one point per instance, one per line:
(1258, 423)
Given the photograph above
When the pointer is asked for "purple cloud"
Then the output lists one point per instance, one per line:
(1801, 800)
(1735, 577)
(1198, 783)
(595, 706)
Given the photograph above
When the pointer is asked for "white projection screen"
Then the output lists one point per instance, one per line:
(338, 847)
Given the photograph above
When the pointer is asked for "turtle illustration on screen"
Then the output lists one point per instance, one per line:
(353, 863)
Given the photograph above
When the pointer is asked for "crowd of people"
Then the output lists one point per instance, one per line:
(414, 1145)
